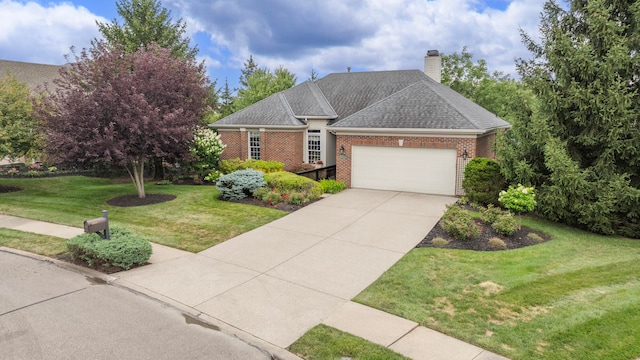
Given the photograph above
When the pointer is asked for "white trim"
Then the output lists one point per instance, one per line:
(412, 132)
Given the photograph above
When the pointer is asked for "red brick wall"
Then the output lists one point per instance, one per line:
(485, 146)
(286, 147)
(343, 163)
(283, 146)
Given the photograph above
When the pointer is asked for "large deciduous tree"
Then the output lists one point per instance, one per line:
(261, 84)
(496, 92)
(18, 129)
(145, 22)
(580, 149)
(122, 108)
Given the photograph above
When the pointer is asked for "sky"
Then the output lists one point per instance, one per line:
(300, 35)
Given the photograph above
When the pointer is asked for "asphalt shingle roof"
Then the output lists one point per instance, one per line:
(35, 75)
(425, 104)
(400, 99)
(272, 111)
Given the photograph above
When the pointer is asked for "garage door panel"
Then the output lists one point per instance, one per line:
(404, 169)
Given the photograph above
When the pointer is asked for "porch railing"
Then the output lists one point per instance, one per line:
(327, 172)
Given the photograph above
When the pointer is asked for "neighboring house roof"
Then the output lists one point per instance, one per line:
(401, 99)
(34, 75)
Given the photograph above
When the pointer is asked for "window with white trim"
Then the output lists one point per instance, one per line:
(254, 145)
(314, 147)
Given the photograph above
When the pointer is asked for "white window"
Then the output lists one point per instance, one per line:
(254, 145)
(314, 147)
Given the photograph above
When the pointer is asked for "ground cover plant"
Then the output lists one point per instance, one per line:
(324, 342)
(195, 220)
(575, 297)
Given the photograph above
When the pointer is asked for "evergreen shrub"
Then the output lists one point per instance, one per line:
(482, 181)
(229, 166)
(124, 249)
(288, 183)
(240, 184)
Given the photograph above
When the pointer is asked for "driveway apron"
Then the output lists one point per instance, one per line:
(278, 281)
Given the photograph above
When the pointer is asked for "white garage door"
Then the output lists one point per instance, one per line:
(430, 171)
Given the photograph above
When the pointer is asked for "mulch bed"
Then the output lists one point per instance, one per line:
(134, 200)
(518, 240)
(8, 189)
(280, 206)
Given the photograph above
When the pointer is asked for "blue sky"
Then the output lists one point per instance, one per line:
(324, 35)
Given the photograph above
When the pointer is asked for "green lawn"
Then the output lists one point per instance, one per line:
(194, 221)
(574, 297)
(323, 342)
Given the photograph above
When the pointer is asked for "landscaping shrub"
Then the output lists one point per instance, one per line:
(505, 224)
(535, 237)
(232, 165)
(240, 184)
(124, 250)
(439, 242)
(332, 186)
(296, 199)
(302, 167)
(497, 243)
(519, 199)
(288, 183)
(483, 181)
(459, 223)
(206, 150)
(489, 214)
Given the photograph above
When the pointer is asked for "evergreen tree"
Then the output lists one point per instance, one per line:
(226, 100)
(580, 147)
(313, 76)
(249, 68)
(146, 22)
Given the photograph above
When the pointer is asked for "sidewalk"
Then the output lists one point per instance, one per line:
(278, 281)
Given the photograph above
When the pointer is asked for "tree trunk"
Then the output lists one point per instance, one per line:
(158, 169)
(137, 175)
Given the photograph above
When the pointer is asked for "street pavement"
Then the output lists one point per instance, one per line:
(49, 312)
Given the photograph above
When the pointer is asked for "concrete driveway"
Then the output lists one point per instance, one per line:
(49, 312)
(279, 280)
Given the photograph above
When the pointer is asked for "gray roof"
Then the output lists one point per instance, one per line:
(401, 99)
(34, 75)
(307, 100)
(425, 104)
(272, 111)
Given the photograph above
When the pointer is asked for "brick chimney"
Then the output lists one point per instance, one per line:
(433, 65)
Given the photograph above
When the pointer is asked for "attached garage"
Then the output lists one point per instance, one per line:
(430, 171)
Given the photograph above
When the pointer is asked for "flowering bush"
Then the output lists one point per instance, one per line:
(505, 225)
(12, 171)
(206, 150)
(518, 199)
(459, 224)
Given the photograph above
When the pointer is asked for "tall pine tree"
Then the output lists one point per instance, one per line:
(581, 146)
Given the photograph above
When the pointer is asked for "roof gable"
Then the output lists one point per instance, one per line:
(308, 101)
(425, 104)
(272, 111)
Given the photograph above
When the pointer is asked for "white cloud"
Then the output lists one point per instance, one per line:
(366, 35)
(33, 33)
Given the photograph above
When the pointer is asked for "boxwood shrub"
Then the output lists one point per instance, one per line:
(232, 165)
(240, 184)
(287, 183)
(331, 186)
(124, 250)
(483, 181)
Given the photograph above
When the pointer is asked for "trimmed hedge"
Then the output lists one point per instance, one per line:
(240, 184)
(483, 181)
(124, 250)
(287, 183)
(232, 165)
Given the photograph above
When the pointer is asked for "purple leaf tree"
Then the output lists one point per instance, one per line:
(122, 109)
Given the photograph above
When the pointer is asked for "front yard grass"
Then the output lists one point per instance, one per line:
(324, 342)
(194, 221)
(574, 297)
